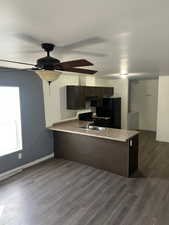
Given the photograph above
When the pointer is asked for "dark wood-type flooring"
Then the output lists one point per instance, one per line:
(59, 192)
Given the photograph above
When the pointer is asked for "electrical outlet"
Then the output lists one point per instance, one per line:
(20, 155)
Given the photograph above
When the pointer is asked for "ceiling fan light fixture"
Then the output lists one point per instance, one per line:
(48, 75)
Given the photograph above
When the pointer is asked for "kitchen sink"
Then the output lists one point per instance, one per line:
(93, 128)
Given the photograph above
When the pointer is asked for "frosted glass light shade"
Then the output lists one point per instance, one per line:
(48, 75)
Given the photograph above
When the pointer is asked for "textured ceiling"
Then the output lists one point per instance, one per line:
(118, 36)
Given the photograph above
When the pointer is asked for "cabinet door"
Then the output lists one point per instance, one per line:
(90, 92)
(75, 97)
(98, 92)
(94, 92)
(107, 91)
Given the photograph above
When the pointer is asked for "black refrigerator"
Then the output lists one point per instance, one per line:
(111, 107)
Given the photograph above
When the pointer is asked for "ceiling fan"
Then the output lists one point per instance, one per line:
(71, 48)
(52, 65)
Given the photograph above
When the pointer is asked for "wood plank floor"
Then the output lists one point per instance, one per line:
(60, 192)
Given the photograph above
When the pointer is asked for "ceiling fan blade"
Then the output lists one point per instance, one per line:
(85, 53)
(31, 51)
(28, 38)
(16, 62)
(79, 70)
(10, 69)
(82, 43)
(76, 63)
(64, 48)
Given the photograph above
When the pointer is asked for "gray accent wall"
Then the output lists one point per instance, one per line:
(37, 139)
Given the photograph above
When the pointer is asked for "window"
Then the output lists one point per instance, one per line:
(10, 120)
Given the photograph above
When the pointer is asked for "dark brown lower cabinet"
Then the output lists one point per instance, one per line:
(117, 157)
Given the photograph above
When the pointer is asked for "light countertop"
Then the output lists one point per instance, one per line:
(74, 126)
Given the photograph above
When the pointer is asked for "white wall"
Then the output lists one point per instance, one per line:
(143, 99)
(163, 109)
(133, 121)
(55, 100)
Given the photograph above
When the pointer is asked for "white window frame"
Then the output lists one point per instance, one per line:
(18, 126)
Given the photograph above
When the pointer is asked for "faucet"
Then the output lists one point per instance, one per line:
(88, 124)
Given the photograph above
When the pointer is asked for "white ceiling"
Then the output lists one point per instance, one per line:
(132, 35)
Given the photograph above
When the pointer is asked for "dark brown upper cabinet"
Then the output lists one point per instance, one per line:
(107, 91)
(93, 92)
(78, 95)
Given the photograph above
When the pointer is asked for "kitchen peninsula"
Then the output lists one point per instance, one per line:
(115, 150)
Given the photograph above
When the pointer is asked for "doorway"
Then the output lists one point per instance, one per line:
(143, 100)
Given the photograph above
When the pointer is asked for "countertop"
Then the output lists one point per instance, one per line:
(74, 126)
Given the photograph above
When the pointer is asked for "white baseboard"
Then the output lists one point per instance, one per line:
(19, 169)
(10, 173)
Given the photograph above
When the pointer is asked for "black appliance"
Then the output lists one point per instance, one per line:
(86, 116)
(111, 107)
(96, 102)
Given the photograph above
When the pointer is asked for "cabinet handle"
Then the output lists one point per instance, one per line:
(131, 143)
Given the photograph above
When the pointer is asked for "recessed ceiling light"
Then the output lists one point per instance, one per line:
(123, 75)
